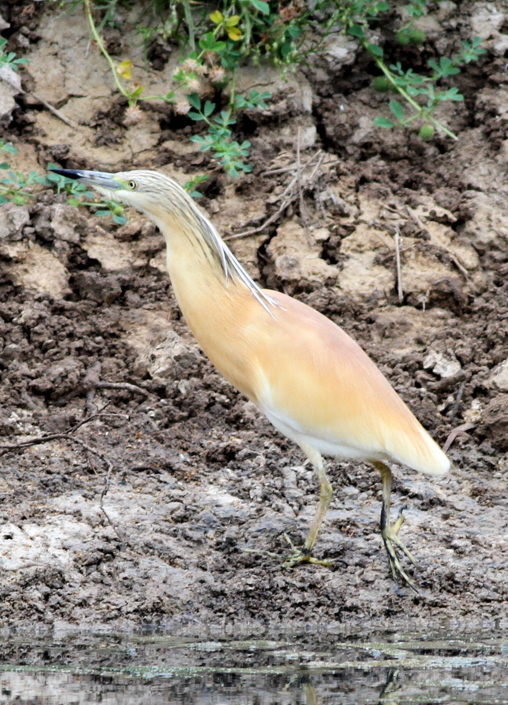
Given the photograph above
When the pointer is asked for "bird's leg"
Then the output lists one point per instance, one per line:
(389, 532)
(325, 496)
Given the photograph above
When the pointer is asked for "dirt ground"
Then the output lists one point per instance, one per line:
(143, 513)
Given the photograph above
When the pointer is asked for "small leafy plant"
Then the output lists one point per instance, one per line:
(9, 58)
(412, 86)
(190, 186)
(77, 191)
(14, 185)
(421, 94)
(219, 139)
(222, 40)
(217, 40)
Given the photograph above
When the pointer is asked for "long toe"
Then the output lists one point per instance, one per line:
(299, 555)
(391, 542)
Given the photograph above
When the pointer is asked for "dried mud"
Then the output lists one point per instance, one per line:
(143, 513)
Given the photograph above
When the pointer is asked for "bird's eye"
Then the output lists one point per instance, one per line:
(132, 185)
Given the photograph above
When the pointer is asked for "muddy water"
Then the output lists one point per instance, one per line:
(303, 669)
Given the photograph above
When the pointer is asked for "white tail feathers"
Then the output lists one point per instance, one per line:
(420, 452)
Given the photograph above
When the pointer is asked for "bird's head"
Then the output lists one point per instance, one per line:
(150, 192)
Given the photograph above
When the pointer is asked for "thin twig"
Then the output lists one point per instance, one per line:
(267, 222)
(299, 174)
(455, 408)
(463, 428)
(68, 437)
(459, 266)
(321, 158)
(301, 202)
(400, 291)
(291, 195)
(47, 105)
(447, 382)
(54, 110)
(105, 490)
(126, 386)
(414, 216)
(291, 167)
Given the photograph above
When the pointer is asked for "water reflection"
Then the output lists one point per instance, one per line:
(291, 670)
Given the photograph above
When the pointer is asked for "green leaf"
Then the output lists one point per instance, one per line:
(383, 122)
(194, 100)
(285, 49)
(216, 16)
(397, 110)
(356, 31)
(263, 7)
(450, 94)
(209, 43)
(4, 165)
(412, 91)
(375, 50)
(294, 31)
(209, 108)
(444, 68)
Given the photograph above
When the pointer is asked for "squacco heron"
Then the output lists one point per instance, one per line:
(310, 379)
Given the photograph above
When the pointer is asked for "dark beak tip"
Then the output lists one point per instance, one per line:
(69, 173)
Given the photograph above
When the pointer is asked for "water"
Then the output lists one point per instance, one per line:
(305, 669)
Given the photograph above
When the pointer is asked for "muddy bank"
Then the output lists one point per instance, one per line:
(144, 512)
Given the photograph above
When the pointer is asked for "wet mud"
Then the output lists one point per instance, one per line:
(154, 491)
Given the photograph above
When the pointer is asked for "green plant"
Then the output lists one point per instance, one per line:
(412, 86)
(212, 59)
(408, 34)
(9, 59)
(15, 186)
(217, 42)
(219, 138)
(421, 94)
(191, 184)
(77, 191)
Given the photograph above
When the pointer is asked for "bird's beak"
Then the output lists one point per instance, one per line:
(99, 179)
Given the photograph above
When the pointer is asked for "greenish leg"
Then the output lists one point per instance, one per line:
(389, 532)
(325, 497)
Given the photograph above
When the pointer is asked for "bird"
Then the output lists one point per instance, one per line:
(311, 380)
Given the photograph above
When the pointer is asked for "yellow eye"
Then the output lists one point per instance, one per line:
(132, 185)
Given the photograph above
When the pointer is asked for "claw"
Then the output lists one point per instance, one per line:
(301, 555)
(296, 556)
(389, 532)
(391, 541)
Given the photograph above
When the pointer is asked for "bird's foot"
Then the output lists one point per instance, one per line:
(392, 542)
(301, 555)
(297, 555)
